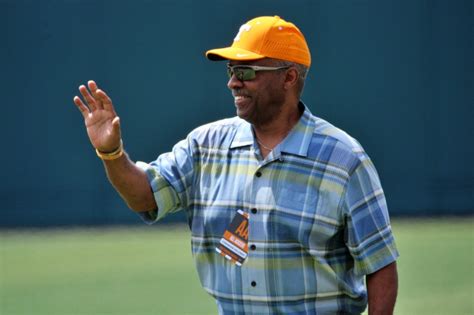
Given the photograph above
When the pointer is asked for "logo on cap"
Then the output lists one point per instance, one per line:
(246, 28)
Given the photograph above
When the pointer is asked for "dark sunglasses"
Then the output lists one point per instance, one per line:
(246, 73)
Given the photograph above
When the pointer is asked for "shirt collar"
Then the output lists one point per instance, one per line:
(243, 135)
(296, 142)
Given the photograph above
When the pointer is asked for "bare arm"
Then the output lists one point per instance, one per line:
(103, 129)
(131, 183)
(382, 288)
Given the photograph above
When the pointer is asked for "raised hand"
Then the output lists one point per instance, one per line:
(102, 123)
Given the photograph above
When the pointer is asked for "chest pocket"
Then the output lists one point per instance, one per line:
(294, 213)
(307, 216)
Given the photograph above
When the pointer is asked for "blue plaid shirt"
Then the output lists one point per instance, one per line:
(318, 220)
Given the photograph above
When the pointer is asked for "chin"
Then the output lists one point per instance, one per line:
(244, 116)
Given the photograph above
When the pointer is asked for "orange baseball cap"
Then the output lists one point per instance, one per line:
(266, 36)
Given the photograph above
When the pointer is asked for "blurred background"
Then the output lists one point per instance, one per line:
(396, 75)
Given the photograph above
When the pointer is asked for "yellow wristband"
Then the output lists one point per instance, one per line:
(111, 155)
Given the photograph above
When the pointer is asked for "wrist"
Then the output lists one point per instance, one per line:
(108, 156)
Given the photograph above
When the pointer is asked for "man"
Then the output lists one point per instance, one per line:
(286, 211)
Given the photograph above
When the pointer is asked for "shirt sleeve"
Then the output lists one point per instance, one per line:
(368, 235)
(170, 177)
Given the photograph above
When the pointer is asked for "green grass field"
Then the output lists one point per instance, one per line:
(149, 270)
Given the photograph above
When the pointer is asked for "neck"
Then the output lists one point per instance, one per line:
(272, 133)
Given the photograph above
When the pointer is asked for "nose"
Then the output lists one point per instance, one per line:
(234, 83)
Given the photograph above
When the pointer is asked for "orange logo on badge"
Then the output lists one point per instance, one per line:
(243, 230)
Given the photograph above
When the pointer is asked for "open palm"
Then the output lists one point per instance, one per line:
(102, 123)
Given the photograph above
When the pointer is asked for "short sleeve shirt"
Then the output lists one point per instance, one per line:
(318, 220)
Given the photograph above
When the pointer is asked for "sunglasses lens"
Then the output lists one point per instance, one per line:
(248, 74)
(241, 73)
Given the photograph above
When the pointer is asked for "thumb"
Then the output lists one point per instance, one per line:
(116, 124)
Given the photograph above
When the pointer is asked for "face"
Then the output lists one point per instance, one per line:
(261, 99)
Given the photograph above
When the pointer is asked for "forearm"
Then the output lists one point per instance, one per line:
(131, 183)
(382, 288)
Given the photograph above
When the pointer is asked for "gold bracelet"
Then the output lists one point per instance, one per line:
(111, 155)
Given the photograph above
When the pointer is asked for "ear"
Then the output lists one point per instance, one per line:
(291, 78)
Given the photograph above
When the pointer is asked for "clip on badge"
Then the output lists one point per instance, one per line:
(234, 244)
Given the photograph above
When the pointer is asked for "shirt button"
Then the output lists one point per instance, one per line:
(258, 174)
(253, 247)
(253, 283)
(254, 210)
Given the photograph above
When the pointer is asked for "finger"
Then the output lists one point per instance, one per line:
(93, 87)
(105, 99)
(82, 107)
(91, 102)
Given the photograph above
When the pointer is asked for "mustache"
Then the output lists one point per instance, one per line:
(240, 92)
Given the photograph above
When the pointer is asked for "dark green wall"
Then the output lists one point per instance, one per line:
(397, 75)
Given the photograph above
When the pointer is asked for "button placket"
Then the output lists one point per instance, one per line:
(251, 275)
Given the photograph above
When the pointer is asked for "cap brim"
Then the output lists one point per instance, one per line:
(232, 53)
